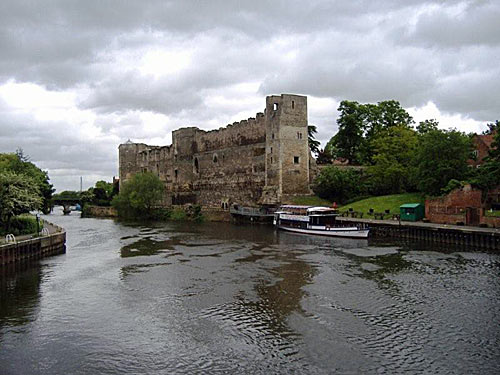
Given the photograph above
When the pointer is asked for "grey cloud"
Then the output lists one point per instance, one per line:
(360, 50)
(477, 24)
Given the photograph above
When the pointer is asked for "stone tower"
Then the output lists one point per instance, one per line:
(127, 156)
(287, 148)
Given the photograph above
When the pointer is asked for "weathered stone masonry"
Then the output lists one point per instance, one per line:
(261, 160)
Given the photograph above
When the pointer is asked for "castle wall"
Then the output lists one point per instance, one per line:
(232, 164)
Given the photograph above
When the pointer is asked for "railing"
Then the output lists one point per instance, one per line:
(10, 238)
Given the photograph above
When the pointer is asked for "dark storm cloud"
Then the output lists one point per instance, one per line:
(444, 51)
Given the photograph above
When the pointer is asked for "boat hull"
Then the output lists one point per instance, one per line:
(331, 232)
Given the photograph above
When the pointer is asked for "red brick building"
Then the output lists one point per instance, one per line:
(482, 144)
(464, 205)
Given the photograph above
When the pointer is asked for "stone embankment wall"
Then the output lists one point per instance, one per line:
(99, 211)
(234, 164)
(34, 248)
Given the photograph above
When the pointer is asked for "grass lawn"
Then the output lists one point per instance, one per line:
(382, 203)
(492, 213)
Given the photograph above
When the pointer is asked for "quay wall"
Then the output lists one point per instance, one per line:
(34, 248)
(99, 211)
(483, 238)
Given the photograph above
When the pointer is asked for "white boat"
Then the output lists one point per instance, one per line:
(315, 220)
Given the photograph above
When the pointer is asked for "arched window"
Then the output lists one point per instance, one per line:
(215, 159)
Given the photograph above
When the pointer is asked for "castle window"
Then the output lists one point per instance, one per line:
(271, 160)
(196, 166)
(275, 106)
(272, 136)
(215, 160)
(271, 150)
(299, 135)
(176, 174)
(293, 104)
(296, 160)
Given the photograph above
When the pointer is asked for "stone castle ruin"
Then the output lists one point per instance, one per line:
(259, 161)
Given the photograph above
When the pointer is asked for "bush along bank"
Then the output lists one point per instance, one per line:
(21, 225)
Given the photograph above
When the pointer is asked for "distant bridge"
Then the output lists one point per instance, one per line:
(66, 203)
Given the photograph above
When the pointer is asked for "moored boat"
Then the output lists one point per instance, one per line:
(316, 221)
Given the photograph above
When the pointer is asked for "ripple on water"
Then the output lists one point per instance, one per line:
(370, 251)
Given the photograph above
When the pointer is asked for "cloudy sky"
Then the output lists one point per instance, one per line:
(77, 78)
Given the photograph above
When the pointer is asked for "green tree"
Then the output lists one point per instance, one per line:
(360, 124)
(337, 184)
(139, 196)
(427, 125)
(19, 194)
(324, 157)
(441, 155)
(349, 138)
(379, 118)
(393, 149)
(313, 142)
(492, 127)
(489, 173)
(19, 163)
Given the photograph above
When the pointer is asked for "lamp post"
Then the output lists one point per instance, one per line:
(38, 224)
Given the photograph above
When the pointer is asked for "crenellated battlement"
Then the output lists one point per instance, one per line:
(234, 163)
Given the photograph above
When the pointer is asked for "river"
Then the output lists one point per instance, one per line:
(215, 298)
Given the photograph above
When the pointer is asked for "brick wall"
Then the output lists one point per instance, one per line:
(452, 208)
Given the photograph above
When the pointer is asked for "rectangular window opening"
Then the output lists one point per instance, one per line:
(296, 160)
(293, 104)
(275, 106)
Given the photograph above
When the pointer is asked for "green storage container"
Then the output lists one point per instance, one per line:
(412, 211)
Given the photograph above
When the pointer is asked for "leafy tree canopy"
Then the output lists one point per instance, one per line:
(313, 142)
(19, 163)
(19, 194)
(359, 124)
(441, 155)
(489, 173)
(139, 196)
(427, 126)
(393, 149)
(338, 185)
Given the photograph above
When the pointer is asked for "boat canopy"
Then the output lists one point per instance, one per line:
(320, 209)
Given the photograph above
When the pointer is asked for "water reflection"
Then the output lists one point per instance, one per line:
(19, 293)
(219, 298)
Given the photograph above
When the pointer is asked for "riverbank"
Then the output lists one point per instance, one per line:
(484, 238)
(32, 247)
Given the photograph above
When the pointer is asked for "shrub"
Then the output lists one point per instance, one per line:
(338, 185)
(23, 224)
(140, 196)
(178, 214)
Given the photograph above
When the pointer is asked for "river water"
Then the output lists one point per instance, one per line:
(220, 298)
